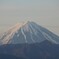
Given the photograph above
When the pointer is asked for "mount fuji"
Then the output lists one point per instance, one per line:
(28, 32)
(29, 40)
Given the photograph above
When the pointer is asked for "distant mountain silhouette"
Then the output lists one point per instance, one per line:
(29, 41)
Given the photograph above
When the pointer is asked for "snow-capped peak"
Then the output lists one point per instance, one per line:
(13, 30)
(17, 26)
(27, 32)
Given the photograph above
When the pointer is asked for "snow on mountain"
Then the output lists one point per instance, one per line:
(27, 32)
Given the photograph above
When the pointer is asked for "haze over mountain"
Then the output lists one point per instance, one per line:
(29, 40)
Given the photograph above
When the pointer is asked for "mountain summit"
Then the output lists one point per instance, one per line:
(29, 40)
(28, 32)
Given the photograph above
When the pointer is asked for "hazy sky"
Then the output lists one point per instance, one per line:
(44, 12)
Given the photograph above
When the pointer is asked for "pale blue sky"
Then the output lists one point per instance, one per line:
(44, 12)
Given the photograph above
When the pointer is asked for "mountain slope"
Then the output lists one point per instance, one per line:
(29, 41)
(28, 32)
(44, 50)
